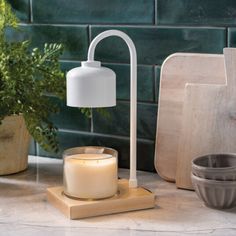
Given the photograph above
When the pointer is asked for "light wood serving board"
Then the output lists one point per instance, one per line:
(177, 70)
(209, 121)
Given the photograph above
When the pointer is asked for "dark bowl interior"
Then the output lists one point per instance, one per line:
(216, 161)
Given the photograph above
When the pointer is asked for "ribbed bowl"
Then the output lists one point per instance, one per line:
(215, 167)
(214, 193)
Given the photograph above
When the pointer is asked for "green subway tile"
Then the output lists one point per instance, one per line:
(145, 77)
(157, 81)
(154, 44)
(92, 11)
(145, 149)
(21, 8)
(70, 117)
(118, 121)
(74, 38)
(200, 12)
(68, 65)
(232, 37)
(32, 147)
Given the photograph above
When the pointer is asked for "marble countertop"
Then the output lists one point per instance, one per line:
(24, 209)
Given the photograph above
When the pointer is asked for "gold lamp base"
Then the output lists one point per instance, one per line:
(127, 199)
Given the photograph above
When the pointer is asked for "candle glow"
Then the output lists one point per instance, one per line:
(90, 176)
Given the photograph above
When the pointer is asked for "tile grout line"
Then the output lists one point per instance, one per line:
(150, 26)
(37, 149)
(31, 11)
(227, 36)
(112, 63)
(103, 135)
(90, 33)
(155, 85)
(138, 102)
(91, 122)
(155, 12)
(126, 64)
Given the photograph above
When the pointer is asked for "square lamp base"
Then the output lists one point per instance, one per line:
(128, 199)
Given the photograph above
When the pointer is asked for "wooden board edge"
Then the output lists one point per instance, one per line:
(57, 203)
(118, 206)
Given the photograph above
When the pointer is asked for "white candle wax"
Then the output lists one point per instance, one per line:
(90, 176)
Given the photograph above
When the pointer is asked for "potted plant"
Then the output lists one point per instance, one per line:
(28, 77)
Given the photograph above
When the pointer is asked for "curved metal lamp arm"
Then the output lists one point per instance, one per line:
(133, 95)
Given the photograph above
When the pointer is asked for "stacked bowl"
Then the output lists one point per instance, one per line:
(214, 180)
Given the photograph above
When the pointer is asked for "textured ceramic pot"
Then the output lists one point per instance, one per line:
(215, 167)
(14, 145)
(214, 193)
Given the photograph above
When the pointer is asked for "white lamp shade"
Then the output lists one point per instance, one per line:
(91, 86)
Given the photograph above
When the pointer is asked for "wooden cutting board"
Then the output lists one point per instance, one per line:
(177, 70)
(209, 121)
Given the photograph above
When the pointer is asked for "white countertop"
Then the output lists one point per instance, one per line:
(24, 209)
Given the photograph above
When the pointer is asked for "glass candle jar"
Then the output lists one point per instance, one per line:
(90, 175)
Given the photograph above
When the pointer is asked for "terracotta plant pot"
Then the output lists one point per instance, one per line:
(14, 145)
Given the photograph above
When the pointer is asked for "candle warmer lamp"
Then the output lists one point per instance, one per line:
(93, 86)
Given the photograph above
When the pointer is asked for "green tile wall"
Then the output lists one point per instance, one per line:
(232, 37)
(95, 12)
(145, 90)
(119, 115)
(157, 81)
(157, 27)
(196, 12)
(145, 148)
(154, 44)
(22, 9)
(32, 147)
(70, 118)
(74, 38)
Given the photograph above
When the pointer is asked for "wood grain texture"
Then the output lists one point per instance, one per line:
(128, 199)
(14, 145)
(209, 121)
(176, 71)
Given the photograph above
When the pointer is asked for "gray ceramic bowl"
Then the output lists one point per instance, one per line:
(215, 166)
(214, 193)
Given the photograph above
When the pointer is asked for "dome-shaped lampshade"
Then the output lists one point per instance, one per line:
(91, 86)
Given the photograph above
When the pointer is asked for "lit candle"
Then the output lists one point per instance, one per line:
(90, 176)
